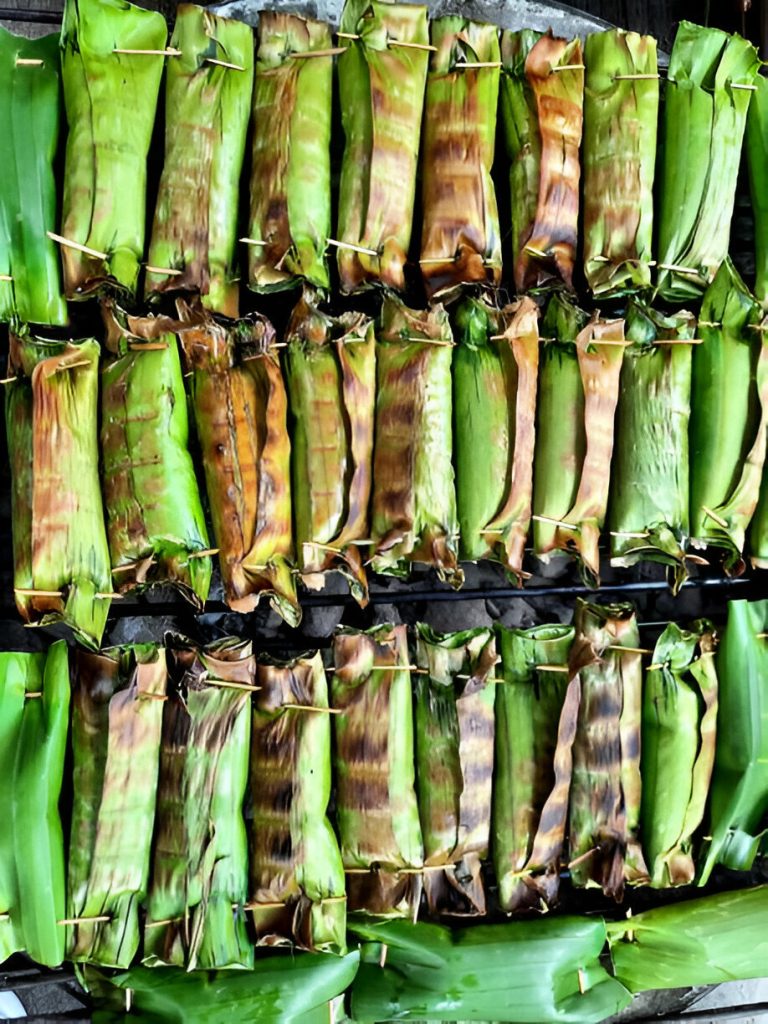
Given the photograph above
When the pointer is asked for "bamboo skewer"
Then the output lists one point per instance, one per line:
(635, 78)
(147, 346)
(678, 269)
(224, 64)
(96, 253)
(332, 52)
(568, 67)
(628, 650)
(627, 533)
(311, 707)
(230, 684)
(552, 668)
(6, 277)
(169, 51)
(169, 271)
(714, 517)
(31, 592)
(472, 65)
(205, 553)
(29, 62)
(556, 522)
(85, 920)
(350, 245)
(412, 46)
(32, 694)
(679, 341)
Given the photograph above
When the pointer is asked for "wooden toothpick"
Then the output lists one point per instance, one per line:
(29, 62)
(332, 52)
(31, 592)
(169, 51)
(556, 522)
(354, 248)
(96, 253)
(205, 553)
(168, 271)
(224, 64)
(714, 517)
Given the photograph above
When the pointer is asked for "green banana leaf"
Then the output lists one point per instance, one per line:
(536, 711)
(706, 941)
(460, 237)
(494, 397)
(757, 162)
(648, 506)
(207, 107)
(60, 550)
(739, 792)
(110, 99)
(533, 971)
(19, 673)
(290, 201)
(704, 122)
(757, 540)
(117, 712)
(30, 276)
(155, 517)
(381, 93)
(729, 417)
(621, 109)
(678, 749)
(297, 891)
(454, 722)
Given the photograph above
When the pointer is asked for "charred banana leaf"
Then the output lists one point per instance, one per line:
(110, 94)
(290, 213)
(460, 241)
(536, 710)
(621, 109)
(207, 106)
(648, 513)
(729, 417)
(117, 714)
(195, 908)
(757, 160)
(414, 500)
(376, 808)
(30, 278)
(297, 891)
(606, 785)
(382, 75)
(578, 393)
(331, 376)
(679, 731)
(60, 550)
(542, 105)
(494, 396)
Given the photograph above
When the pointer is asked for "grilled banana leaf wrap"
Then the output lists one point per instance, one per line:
(757, 162)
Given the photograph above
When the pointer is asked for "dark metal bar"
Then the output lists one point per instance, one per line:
(31, 15)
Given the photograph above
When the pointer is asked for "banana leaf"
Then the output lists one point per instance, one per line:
(195, 916)
(578, 394)
(706, 941)
(117, 712)
(532, 971)
(648, 508)
(460, 239)
(239, 404)
(606, 786)
(19, 673)
(414, 500)
(704, 122)
(621, 109)
(290, 202)
(381, 92)
(30, 278)
(207, 107)
(494, 396)
(297, 892)
(536, 711)
(729, 417)
(331, 378)
(543, 115)
(757, 162)
(757, 542)
(678, 749)
(60, 550)
(738, 805)
(377, 812)
(155, 517)
(454, 722)
(110, 99)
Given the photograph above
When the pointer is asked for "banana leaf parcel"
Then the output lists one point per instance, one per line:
(30, 276)
(414, 500)
(155, 519)
(739, 792)
(60, 550)
(331, 377)
(648, 508)
(729, 417)
(240, 405)
(460, 239)
(678, 743)
(621, 109)
(207, 106)
(703, 115)
(542, 98)
(376, 808)
(195, 907)
(382, 75)
(34, 719)
(110, 99)
(757, 542)
(536, 711)
(117, 714)
(290, 208)
(454, 695)
(297, 886)
(606, 787)
(495, 374)
(578, 394)
(757, 161)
